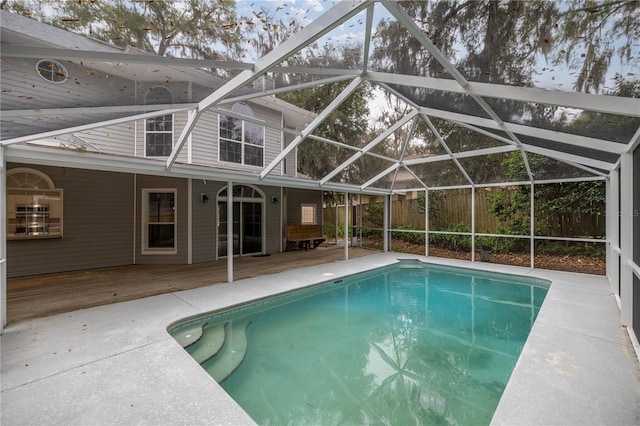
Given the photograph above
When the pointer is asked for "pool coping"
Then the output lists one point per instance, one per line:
(117, 364)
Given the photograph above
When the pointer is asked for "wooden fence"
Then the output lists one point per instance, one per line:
(453, 208)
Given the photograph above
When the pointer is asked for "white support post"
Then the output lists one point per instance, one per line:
(626, 239)
(426, 222)
(473, 224)
(613, 231)
(346, 226)
(230, 231)
(532, 225)
(385, 223)
(3, 239)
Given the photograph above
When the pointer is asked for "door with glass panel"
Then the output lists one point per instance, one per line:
(248, 205)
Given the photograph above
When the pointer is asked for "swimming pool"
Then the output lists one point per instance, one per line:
(407, 343)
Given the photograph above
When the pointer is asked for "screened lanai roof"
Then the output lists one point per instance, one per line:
(455, 119)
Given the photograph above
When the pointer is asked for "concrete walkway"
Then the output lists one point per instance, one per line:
(117, 365)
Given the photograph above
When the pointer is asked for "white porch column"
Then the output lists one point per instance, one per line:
(626, 239)
(3, 239)
(532, 226)
(613, 232)
(426, 222)
(473, 223)
(230, 231)
(346, 225)
(386, 219)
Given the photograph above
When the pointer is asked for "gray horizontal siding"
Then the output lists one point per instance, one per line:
(98, 226)
(295, 199)
(205, 139)
(25, 89)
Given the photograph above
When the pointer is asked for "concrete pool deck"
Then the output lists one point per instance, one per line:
(117, 365)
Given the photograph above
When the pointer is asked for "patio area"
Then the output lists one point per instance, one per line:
(116, 364)
(43, 295)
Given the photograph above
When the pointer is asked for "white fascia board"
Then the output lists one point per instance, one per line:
(337, 101)
(138, 109)
(597, 103)
(370, 145)
(85, 127)
(564, 157)
(123, 58)
(566, 138)
(58, 157)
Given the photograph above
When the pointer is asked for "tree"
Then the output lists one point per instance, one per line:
(199, 29)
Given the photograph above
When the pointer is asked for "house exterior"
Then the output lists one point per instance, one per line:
(86, 148)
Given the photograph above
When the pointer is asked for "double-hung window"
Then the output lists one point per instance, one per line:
(159, 130)
(241, 141)
(159, 221)
(159, 136)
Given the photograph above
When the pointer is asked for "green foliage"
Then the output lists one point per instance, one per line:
(409, 237)
(435, 202)
(347, 124)
(504, 245)
(452, 242)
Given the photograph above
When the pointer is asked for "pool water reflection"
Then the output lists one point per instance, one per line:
(406, 344)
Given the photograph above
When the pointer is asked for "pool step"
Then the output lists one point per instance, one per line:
(221, 366)
(190, 336)
(210, 343)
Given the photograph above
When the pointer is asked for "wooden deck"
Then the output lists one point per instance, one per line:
(42, 295)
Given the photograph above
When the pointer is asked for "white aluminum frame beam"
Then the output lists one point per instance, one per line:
(339, 13)
(380, 176)
(370, 146)
(447, 149)
(90, 126)
(337, 101)
(286, 89)
(634, 142)
(137, 109)
(565, 138)
(598, 103)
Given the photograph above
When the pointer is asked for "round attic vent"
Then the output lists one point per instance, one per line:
(52, 71)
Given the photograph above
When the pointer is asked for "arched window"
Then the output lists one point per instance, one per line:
(159, 130)
(34, 205)
(241, 141)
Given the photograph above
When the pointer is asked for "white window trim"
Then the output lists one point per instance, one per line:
(173, 140)
(243, 144)
(37, 192)
(64, 69)
(315, 214)
(144, 242)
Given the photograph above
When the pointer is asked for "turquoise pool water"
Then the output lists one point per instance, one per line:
(406, 344)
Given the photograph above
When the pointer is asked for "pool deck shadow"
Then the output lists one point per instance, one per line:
(116, 364)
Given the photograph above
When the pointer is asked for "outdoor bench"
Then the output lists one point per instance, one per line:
(304, 236)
